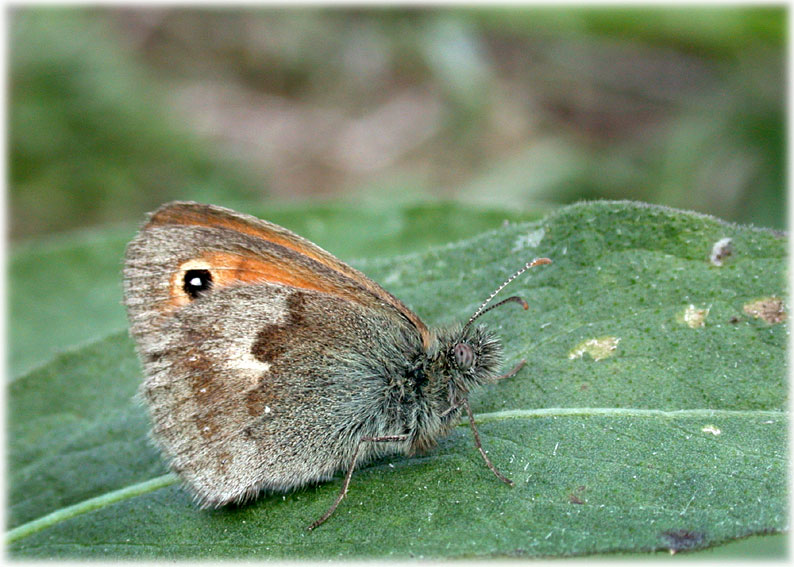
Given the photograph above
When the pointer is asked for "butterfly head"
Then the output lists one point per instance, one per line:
(470, 355)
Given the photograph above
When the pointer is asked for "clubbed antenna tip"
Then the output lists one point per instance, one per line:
(481, 309)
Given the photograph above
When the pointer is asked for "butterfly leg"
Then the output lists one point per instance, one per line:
(454, 402)
(488, 462)
(452, 407)
(346, 483)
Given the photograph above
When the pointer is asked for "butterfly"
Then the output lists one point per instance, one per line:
(270, 364)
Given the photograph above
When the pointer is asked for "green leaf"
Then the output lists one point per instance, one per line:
(651, 416)
(63, 292)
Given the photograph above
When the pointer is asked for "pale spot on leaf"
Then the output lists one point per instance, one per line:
(530, 240)
(693, 317)
(721, 250)
(711, 429)
(598, 348)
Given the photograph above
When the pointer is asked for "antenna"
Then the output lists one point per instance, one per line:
(481, 309)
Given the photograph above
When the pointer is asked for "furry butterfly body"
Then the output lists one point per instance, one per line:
(271, 364)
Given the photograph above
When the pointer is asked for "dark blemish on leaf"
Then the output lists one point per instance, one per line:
(584, 386)
(575, 497)
(735, 319)
(770, 309)
(683, 540)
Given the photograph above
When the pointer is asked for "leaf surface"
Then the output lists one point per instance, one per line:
(651, 414)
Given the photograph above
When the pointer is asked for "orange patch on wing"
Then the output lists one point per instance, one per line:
(230, 269)
(192, 214)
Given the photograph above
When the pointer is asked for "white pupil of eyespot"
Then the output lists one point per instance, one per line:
(195, 281)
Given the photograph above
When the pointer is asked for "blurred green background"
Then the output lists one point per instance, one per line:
(115, 110)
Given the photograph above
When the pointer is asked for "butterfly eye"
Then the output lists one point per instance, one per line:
(196, 282)
(464, 356)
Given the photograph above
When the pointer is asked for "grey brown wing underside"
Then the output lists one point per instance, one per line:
(269, 387)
